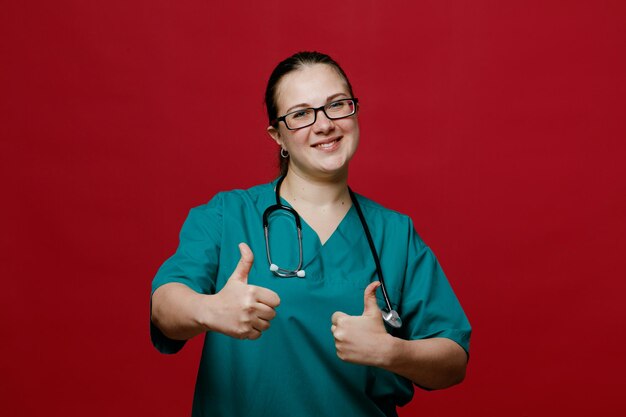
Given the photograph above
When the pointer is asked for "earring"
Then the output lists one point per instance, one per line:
(284, 153)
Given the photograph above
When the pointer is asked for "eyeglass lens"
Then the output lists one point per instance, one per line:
(334, 110)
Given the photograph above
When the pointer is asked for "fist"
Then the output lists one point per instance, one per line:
(361, 339)
(242, 310)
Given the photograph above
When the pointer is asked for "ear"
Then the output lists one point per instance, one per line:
(275, 134)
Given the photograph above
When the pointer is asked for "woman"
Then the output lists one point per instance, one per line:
(308, 337)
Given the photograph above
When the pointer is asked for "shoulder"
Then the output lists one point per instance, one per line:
(225, 200)
(389, 221)
(381, 213)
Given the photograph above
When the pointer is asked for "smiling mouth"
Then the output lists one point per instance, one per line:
(327, 145)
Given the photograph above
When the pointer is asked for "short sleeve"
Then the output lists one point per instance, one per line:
(429, 306)
(194, 263)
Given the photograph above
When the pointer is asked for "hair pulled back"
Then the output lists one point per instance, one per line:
(293, 63)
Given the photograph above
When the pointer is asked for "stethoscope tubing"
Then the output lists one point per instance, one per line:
(370, 241)
(389, 314)
(281, 272)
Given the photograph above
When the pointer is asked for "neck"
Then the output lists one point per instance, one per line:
(301, 189)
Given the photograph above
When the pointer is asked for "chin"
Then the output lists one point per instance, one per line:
(334, 169)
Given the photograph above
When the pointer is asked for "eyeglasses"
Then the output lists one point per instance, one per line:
(334, 110)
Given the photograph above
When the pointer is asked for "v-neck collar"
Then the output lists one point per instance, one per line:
(307, 226)
(346, 234)
(343, 236)
(341, 225)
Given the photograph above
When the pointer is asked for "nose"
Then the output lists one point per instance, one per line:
(322, 123)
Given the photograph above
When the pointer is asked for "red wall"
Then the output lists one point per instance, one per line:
(498, 126)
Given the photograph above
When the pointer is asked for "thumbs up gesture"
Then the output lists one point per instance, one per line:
(241, 310)
(362, 339)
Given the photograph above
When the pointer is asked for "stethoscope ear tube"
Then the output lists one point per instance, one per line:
(276, 270)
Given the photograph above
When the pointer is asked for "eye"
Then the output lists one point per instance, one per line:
(336, 105)
(300, 114)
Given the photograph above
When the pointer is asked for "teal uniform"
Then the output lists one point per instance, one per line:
(293, 369)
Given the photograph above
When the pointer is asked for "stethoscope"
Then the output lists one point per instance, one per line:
(389, 314)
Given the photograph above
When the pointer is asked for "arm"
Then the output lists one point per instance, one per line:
(239, 310)
(177, 311)
(430, 363)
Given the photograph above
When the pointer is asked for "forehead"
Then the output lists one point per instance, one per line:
(310, 84)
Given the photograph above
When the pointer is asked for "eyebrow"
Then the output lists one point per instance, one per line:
(306, 105)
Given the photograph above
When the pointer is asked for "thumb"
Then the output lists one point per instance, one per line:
(370, 306)
(244, 265)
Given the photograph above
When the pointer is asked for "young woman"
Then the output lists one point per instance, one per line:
(286, 278)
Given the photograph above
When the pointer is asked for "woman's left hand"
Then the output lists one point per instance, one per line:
(362, 339)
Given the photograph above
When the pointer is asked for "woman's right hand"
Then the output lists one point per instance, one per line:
(239, 309)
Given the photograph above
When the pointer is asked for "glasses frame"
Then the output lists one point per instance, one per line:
(315, 110)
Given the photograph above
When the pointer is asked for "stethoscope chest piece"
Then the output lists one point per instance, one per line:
(392, 318)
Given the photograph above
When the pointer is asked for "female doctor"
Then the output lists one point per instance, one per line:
(293, 309)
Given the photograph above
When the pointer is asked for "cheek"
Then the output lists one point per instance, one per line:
(295, 140)
(351, 126)
(354, 132)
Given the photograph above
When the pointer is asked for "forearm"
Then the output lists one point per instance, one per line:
(176, 310)
(430, 363)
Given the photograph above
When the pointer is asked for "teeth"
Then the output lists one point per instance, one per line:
(326, 145)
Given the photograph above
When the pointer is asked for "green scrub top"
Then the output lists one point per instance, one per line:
(293, 368)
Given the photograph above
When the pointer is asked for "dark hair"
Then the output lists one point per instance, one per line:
(293, 63)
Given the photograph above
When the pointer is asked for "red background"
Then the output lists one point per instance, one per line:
(498, 126)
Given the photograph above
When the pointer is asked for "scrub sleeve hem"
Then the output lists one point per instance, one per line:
(460, 337)
(164, 344)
